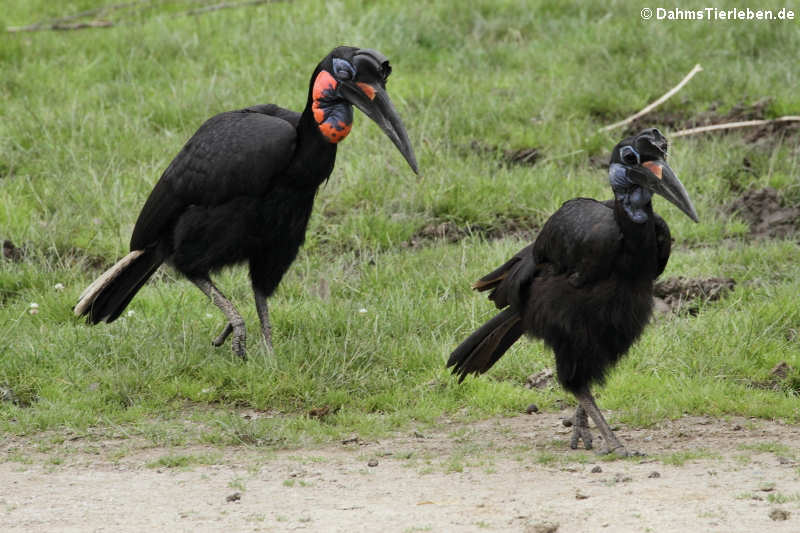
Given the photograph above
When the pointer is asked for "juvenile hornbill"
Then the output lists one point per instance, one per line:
(585, 286)
(242, 189)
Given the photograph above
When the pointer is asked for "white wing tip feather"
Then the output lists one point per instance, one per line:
(89, 295)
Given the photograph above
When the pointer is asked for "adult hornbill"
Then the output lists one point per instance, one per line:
(585, 286)
(242, 189)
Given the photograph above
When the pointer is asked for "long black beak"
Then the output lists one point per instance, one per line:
(658, 177)
(374, 101)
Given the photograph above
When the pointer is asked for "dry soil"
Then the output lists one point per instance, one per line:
(510, 474)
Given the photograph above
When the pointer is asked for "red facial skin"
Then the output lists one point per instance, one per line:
(324, 83)
(367, 89)
(336, 133)
(655, 168)
(332, 129)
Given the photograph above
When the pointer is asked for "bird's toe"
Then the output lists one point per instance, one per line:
(239, 344)
(580, 433)
(239, 348)
(621, 451)
(223, 336)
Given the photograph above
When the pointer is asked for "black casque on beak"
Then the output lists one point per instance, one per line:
(657, 176)
(370, 96)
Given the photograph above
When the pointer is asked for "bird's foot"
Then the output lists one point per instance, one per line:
(587, 405)
(222, 337)
(580, 433)
(580, 430)
(620, 451)
(238, 344)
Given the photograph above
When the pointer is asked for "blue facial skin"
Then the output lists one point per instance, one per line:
(343, 70)
(633, 197)
(338, 113)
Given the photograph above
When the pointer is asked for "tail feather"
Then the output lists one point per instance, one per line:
(481, 350)
(106, 298)
(507, 282)
(496, 276)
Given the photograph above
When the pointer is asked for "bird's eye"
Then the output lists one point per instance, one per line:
(343, 70)
(629, 155)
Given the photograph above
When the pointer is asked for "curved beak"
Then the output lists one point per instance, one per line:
(661, 179)
(373, 101)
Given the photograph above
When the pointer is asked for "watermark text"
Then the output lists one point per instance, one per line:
(714, 14)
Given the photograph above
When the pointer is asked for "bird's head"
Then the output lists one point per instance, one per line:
(356, 77)
(638, 169)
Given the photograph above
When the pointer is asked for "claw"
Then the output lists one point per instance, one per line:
(222, 337)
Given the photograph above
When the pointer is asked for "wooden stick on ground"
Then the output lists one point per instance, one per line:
(62, 23)
(697, 68)
(223, 5)
(732, 125)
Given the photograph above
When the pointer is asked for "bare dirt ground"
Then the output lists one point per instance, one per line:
(511, 474)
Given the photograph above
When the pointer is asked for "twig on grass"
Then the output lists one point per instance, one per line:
(81, 25)
(223, 5)
(697, 68)
(732, 125)
(62, 23)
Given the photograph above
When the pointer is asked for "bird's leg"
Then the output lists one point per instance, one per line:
(580, 430)
(263, 316)
(613, 445)
(235, 320)
(223, 336)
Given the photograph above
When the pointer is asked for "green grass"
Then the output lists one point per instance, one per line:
(780, 498)
(680, 458)
(777, 448)
(90, 119)
(181, 461)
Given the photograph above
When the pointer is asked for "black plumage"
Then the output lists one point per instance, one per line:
(585, 286)
(242, 190)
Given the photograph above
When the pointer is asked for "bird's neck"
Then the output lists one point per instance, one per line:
(628, 225)
(314, 156)
(325, 122)
(639, 247)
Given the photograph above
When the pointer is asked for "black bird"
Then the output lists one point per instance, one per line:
(242, 190)
(585, 286)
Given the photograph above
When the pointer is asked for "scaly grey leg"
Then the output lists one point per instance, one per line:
(613, 445)
(580, 430)
(263, 316)
(235, 320)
